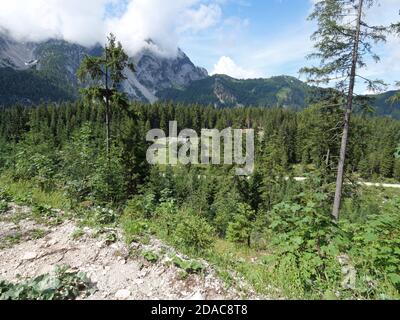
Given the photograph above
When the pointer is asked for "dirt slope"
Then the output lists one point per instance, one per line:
(28, 250)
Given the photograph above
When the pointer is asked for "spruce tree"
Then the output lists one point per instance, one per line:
(344, 42)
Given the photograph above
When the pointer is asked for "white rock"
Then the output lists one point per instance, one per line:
(30, 256)
(197, 296)
(52, 242)
(123, 294)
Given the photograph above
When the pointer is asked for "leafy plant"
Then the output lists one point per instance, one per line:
(150, 256)
(239, 230)
(307, 243)
(191, 266)
(4, 195)
(375, 249)
(63, 285)
(3, 206)
(104, 216)
(46, 214)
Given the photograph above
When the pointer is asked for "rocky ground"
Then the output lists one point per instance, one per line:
(119, 272)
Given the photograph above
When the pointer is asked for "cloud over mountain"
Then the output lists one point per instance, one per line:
(87, 22)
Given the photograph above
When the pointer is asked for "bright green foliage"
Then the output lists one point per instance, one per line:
(307, 244)
(225, 206)
(104, 216)
(376, 249)
(78, 159)
(189, 207)
(108, 178)
(35, 158)
(143, 206)
(63, 285)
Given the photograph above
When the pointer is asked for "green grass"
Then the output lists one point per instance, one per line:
(27, 193)
(10, 241)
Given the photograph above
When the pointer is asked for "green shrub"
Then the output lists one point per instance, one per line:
(167, 216)
(193, 234)
(376, 250)
(307, 243)
(134, 228)
(104, 216)
(141, 206)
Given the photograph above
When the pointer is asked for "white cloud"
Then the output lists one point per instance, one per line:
(202, 18)
(37, 20)
(163, 21)
(227, 66)
(88, 21)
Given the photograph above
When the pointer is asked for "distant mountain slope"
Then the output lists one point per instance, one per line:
(283, 91)
(224, 91)
(29, 87)
(384, 107)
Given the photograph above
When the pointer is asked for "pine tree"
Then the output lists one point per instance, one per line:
(343, 42)
(107, 69)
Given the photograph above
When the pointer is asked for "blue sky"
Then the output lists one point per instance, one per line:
(250, 33)
(262, 38)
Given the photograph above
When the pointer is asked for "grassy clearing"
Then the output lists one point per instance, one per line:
(27, 193)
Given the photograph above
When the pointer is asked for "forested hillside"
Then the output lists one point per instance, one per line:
(224, 91)
(30, 87)
(283, 91)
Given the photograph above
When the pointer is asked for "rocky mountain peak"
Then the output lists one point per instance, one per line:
(61, 59)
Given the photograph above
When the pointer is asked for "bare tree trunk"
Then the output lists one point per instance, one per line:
(349, 108)
(108, 128)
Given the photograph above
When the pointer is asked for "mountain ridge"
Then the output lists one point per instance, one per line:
(55, 62)
(31, 73)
